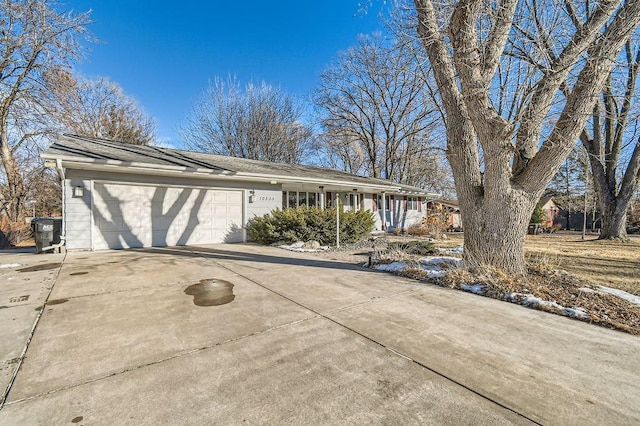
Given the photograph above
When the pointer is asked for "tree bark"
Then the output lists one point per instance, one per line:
(613, 207)
(15, 184)
(614, 221)
(495, 229)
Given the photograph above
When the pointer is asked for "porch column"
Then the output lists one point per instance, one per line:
(322, 197)
(337, 219)
(384, 212)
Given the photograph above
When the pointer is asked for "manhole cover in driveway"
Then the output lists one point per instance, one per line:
(211, 292)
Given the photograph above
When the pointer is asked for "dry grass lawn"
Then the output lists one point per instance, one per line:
(609, 263)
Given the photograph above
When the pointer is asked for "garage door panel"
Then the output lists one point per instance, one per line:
(220, 197)
(131, 209)
(235, 212)
(205, 214)
(171, 196)
(142, 216)
(118, 240)
(235, 197)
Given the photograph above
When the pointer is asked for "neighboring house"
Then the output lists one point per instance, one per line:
(551, 211)
(574, 220)
(118, 195)
(450, 212)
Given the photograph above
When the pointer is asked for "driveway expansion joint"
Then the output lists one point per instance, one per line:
(396, 352)
(160, 361)
(7, 391)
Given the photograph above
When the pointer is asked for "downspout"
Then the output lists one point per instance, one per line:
(55, 246)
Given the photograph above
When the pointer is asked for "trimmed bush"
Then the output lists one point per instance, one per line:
(304, 224)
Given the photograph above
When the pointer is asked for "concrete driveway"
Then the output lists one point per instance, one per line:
(229, 334)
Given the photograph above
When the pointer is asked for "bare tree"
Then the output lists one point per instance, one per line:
(375, 112)
(98, 109)
(34, 36)
(612, 140)
(503, 158)
(260, 122)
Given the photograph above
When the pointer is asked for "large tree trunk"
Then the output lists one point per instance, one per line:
(613, 204)
(614, 222)
(495, 229)
(495, 214)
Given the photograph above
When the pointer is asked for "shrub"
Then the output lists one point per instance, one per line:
(538, 215)
(435, 225)
(304, 224)
(421, 248)
(418, 230)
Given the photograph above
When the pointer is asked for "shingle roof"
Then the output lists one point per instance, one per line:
(85, 149)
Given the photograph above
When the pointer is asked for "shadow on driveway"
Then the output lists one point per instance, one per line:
(243, 256)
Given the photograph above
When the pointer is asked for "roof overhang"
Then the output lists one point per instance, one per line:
(115, 166)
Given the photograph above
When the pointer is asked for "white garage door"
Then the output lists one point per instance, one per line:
(144, 216)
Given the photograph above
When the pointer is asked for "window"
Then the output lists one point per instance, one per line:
(387, 202)
(412, 203)
(356, 201)
(293, 199)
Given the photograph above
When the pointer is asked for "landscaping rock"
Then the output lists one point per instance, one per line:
(311, 245)
(297, 244)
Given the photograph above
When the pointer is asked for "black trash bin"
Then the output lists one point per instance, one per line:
(535, 228)
(57, 230)
(43, 232)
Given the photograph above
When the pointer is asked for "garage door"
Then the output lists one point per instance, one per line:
(144, 216)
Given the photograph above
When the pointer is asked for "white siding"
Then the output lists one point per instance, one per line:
(264, 201)
(77, 214)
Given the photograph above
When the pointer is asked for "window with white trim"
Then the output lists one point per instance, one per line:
(293, 199)
(412, 203)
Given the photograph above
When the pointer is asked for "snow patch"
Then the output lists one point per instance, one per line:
(432, 261)
(430, 265)
(391, 267)
(621, 294)
(532, 301)
(575, 312)
(475, 288)
(454, 250)
(10, 265)
(435, 273)
(299, 249)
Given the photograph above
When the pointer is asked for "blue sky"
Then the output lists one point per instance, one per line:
(164, 53)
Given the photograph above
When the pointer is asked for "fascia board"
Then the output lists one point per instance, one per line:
(164, 170)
